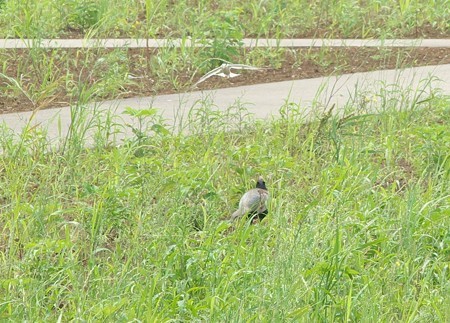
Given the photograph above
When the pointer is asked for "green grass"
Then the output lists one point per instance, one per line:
(357, 229)
(360, 207)
(52, 77)
(230, 20)
(45, 78)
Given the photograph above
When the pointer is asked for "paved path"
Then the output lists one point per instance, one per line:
(262, 100)
(155, 43)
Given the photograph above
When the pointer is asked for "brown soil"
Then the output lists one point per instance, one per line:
(298, 64)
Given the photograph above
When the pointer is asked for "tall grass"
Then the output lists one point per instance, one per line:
(357, 229)
(162, 18)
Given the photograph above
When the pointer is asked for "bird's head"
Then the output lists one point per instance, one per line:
(260, 183)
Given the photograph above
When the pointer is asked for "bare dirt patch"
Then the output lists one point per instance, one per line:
(72, 68)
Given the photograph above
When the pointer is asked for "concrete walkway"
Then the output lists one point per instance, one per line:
(262, 100)
(155, 43)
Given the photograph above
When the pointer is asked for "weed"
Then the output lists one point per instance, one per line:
(222, 36)
(82, 15)
(161, 18)
(94, 230)
(136, 230)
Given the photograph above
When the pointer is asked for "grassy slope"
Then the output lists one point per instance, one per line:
(358, 225)
(222, 19)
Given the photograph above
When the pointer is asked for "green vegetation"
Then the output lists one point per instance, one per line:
(223, 19)
(41, 78)
(96, 230)
(357, 229)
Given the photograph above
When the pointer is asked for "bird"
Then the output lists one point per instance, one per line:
(224, 70)
(253, 203)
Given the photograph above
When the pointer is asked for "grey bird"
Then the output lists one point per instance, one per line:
(253, 203)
